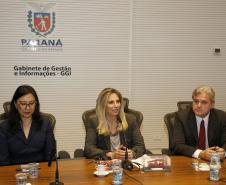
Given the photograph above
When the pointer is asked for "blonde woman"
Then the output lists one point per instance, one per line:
(110, 131)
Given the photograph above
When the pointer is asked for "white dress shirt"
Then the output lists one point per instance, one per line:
(198, 122)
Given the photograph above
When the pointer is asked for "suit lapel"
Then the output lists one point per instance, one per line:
(211, 128)
(107, 142)
(31, 132)
(193, 124)
(122, 138)
(20, 135)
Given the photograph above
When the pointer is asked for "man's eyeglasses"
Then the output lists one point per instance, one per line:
(25, 105)
(201, 102)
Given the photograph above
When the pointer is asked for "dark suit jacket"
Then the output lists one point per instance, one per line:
(185, 134)
(15, 148)
(98, 145)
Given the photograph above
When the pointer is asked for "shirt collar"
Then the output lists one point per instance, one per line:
(206, 118)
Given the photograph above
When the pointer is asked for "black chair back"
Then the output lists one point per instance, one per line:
(169, 119)
(63, 155)
(182, 105)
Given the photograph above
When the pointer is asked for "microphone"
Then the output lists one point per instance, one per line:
(54, 154)
(126, 164)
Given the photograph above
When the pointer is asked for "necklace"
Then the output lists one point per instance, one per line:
(113, 128)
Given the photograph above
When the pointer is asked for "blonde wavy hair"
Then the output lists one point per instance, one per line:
(101, 104)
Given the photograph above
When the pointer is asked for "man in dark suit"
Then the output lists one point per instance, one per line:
(201, 130)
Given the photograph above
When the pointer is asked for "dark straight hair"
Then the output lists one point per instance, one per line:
(14, 117)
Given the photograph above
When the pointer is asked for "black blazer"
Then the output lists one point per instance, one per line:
(185, 134)
(16, 149)
(98, 145)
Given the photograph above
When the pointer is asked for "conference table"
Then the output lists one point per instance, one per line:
(81, 171)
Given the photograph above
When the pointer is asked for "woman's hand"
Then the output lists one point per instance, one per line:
(120, 153)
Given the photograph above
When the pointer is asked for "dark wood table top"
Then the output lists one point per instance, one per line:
(81, 171)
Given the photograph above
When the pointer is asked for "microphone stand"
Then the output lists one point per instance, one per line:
(56, 182)
(126, 164)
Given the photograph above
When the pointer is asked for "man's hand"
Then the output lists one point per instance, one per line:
(206, 154)
(220, 151)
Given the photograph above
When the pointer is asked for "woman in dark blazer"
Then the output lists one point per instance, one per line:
(110, 131)
(25, 136)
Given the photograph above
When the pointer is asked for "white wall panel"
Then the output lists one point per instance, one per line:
(95, 37)
(173, 45)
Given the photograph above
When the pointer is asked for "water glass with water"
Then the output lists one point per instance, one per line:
(21, 178)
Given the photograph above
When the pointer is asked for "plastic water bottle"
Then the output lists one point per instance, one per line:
(215, 166)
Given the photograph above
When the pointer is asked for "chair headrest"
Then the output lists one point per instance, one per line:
(125, 102)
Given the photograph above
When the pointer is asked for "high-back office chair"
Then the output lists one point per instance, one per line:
(3, 116)
(169, 119)
(169, 122)
(182, 105)
(63, 154)
(79, 153)
(87, 114)
(6, 108)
